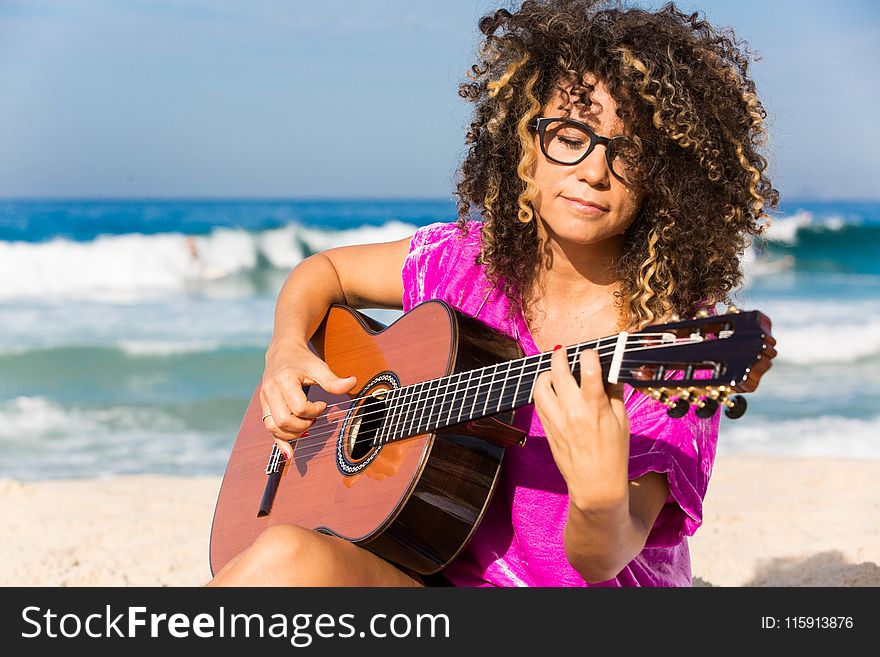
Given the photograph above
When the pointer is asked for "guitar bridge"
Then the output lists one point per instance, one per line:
(274, 470)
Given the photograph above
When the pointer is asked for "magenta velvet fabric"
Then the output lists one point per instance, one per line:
(520, 539)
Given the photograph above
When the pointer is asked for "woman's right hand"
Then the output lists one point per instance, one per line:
(289, 413)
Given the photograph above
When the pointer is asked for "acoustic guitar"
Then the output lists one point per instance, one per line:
(405, 466)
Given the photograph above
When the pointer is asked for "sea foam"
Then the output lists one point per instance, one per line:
(135, 266)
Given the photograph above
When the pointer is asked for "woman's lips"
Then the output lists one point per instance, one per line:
(584, 206)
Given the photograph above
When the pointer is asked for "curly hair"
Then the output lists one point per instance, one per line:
(679, 83)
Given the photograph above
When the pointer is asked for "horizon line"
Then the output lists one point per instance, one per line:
(378, 198)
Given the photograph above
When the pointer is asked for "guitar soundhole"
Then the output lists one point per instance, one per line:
(357, 444)
(365, 425)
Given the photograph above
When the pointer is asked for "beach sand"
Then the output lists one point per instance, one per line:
(767, 522)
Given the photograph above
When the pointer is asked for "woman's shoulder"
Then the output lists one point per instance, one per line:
(442, 262)
(444, 235)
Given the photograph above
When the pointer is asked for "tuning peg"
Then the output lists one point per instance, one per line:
(658, 394)
(677, 408)
(688, 395)
(732, 310)
(707, 407)
(701, 313)
(736, 407)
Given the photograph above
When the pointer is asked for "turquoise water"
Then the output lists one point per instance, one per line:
(132, 333)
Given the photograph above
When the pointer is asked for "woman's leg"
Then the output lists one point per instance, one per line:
(287, 555)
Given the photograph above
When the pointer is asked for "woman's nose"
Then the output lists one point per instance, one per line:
(594, 168)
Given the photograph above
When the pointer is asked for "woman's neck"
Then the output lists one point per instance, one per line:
(571, 272)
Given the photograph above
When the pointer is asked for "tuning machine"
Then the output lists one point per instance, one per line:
(705, 401)
(735, 406)
(677, 404)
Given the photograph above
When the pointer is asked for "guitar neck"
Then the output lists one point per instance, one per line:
(731, 352)
(439, 403)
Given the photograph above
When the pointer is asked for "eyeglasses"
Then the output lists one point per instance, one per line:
(569, 142)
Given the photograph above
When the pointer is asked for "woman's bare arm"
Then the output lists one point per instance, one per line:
(361, 276)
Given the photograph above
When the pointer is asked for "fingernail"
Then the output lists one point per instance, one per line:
(559, 346)
(288, 456)
(304, 433)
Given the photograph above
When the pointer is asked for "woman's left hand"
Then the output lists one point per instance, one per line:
(587, 429)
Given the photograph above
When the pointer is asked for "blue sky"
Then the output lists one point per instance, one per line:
(343, 98)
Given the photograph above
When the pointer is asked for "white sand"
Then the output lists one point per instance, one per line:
(767, 522)
(790, 522)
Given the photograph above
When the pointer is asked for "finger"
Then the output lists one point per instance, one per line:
(543, 393)
(564, 383)
(615, 397)
(281, 438)
(286, 448)
(283, 419)
(592, 382)
(328, 380)
(546, 401)
(299, 404)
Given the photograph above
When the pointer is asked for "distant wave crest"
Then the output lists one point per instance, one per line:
(134, 266)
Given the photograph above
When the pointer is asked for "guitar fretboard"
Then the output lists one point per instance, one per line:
(432, 405)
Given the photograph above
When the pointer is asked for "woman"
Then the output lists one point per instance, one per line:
(613, 163)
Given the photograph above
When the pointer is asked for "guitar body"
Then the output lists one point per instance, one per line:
(415, 501)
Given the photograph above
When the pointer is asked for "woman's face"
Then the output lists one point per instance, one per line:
(584, 203)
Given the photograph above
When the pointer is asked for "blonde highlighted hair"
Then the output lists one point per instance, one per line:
(678, 82)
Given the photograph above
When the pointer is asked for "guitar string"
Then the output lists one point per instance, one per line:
(404, 405)
(634, 339)
(407, 405)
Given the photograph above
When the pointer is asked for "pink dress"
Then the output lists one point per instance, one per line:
(519, 542)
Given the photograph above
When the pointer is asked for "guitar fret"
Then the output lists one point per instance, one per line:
(503, 385)
(427, 407)
(438, 404)
(539, 367)
(446, 404)
(475, 392)
(519, 378)
(383, 434)
(412, 409)
(458, 393)
(403, 407)
(492, 388)
(461, 401)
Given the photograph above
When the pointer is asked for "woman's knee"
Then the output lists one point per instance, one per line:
(284, 543)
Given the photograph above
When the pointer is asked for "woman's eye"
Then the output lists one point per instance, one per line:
(574, 144)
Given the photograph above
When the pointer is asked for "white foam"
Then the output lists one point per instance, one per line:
(40, 439)
(157, 348)
(824, 436)
(126, 268)
(826, 331)
(168, 325)
(828, 343)
(784, 229)
(27, 420)
(321, 240)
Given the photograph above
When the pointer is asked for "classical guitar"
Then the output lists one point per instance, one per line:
(405, 465)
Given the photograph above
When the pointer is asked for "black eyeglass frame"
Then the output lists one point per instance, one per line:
(540, 127)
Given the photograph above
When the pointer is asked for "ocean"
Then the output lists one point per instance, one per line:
(132, 333)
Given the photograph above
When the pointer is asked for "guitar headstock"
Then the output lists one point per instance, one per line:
(701, 362)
